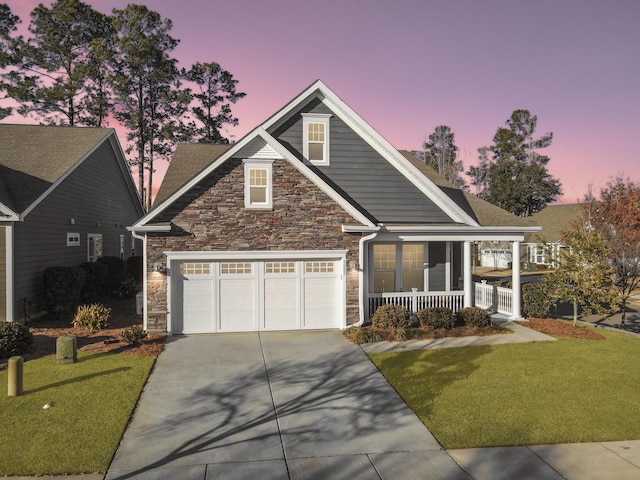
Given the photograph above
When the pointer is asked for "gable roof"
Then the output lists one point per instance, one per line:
(187, 161)
(461, 207)
(256, 144)
(34, 159)
(485, 213)
(553, 219)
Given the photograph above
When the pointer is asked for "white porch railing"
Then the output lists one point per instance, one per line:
(414, 301)
(492, 296)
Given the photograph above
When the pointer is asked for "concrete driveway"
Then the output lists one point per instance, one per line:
(274, 406)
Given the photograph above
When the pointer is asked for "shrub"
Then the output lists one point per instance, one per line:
(63, 288)
(127, 288)
(474, 317)
(94, 317)
(436, 317)
(94, 285)
(133, 335)
(118, 274)
(15, 339)
(536, 301)
(391, 316)
(362, 335)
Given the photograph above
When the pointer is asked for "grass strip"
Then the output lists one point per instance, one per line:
(91, 403)
(523, 394)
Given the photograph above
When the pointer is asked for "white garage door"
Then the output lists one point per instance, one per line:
(266, 295)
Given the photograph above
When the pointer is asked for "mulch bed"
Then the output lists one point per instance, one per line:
(558, 328)
(46, 331)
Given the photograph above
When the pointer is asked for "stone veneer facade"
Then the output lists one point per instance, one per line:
(212, 217)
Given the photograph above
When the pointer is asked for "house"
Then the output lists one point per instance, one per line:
(66, 197)
(543, 248)
(311, 221)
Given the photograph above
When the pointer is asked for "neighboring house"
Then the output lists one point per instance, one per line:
(66, 197)
(311, 221)
(543, 248)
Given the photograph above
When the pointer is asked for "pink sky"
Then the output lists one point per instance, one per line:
(408, 66)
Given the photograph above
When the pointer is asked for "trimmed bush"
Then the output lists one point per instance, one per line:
(15, 339)
(94, 285)
(535, 300)
(118, 274)
(62, 288)
(362, 335)
(94, 317)
(391, 316)
(436, 317)
(474, 317)
(133, 335)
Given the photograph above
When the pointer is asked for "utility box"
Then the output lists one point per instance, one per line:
(66, 349)
(139, 303)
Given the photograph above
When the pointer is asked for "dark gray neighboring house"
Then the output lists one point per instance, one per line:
(66, 197)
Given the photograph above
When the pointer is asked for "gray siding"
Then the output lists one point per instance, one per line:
(96, 197)
(360, 172)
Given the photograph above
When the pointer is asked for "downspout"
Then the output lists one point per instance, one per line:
(144, 277)
(361, 275)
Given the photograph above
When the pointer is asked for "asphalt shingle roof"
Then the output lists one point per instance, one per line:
(34, 157)
(188, 160)
(485, 213)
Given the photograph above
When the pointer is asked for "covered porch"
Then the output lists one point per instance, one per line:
(431, 266)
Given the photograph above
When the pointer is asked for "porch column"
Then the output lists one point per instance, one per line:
(467, 274)
(516, 313)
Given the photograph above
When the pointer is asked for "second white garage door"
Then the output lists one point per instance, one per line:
(242, 296)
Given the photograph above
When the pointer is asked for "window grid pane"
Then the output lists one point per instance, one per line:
(195, 269)
(319, 267)
(280, 267)
(384, 257)
(235, 268)
(412, 256)
(258, 177)
(316, 132)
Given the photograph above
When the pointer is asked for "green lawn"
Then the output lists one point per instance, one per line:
(535, 393)
(91, 400)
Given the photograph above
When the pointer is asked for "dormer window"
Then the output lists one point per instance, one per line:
(257, 183)
(315, 143)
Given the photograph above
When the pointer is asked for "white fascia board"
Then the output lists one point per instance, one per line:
(255, 255)
(388, 151)
(311, 175)
(360, 228)
(111, 131)
(9, 215)
(231, 152)
(313, 90)
(258, 132)
(444, 233)
(150, 228)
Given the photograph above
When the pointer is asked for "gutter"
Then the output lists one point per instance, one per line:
(361, 272)
(144, 275)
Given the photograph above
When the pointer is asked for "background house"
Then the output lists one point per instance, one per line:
(66, 197)
(542, 249)
(310, 221)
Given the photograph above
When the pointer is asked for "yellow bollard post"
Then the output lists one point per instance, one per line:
(15, 376)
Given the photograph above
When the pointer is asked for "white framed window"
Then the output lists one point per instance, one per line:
(537, 254)
(195, 269)
(315, 142)
(94, 246)
(258, 183)
(236, 268)
(73, 239)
